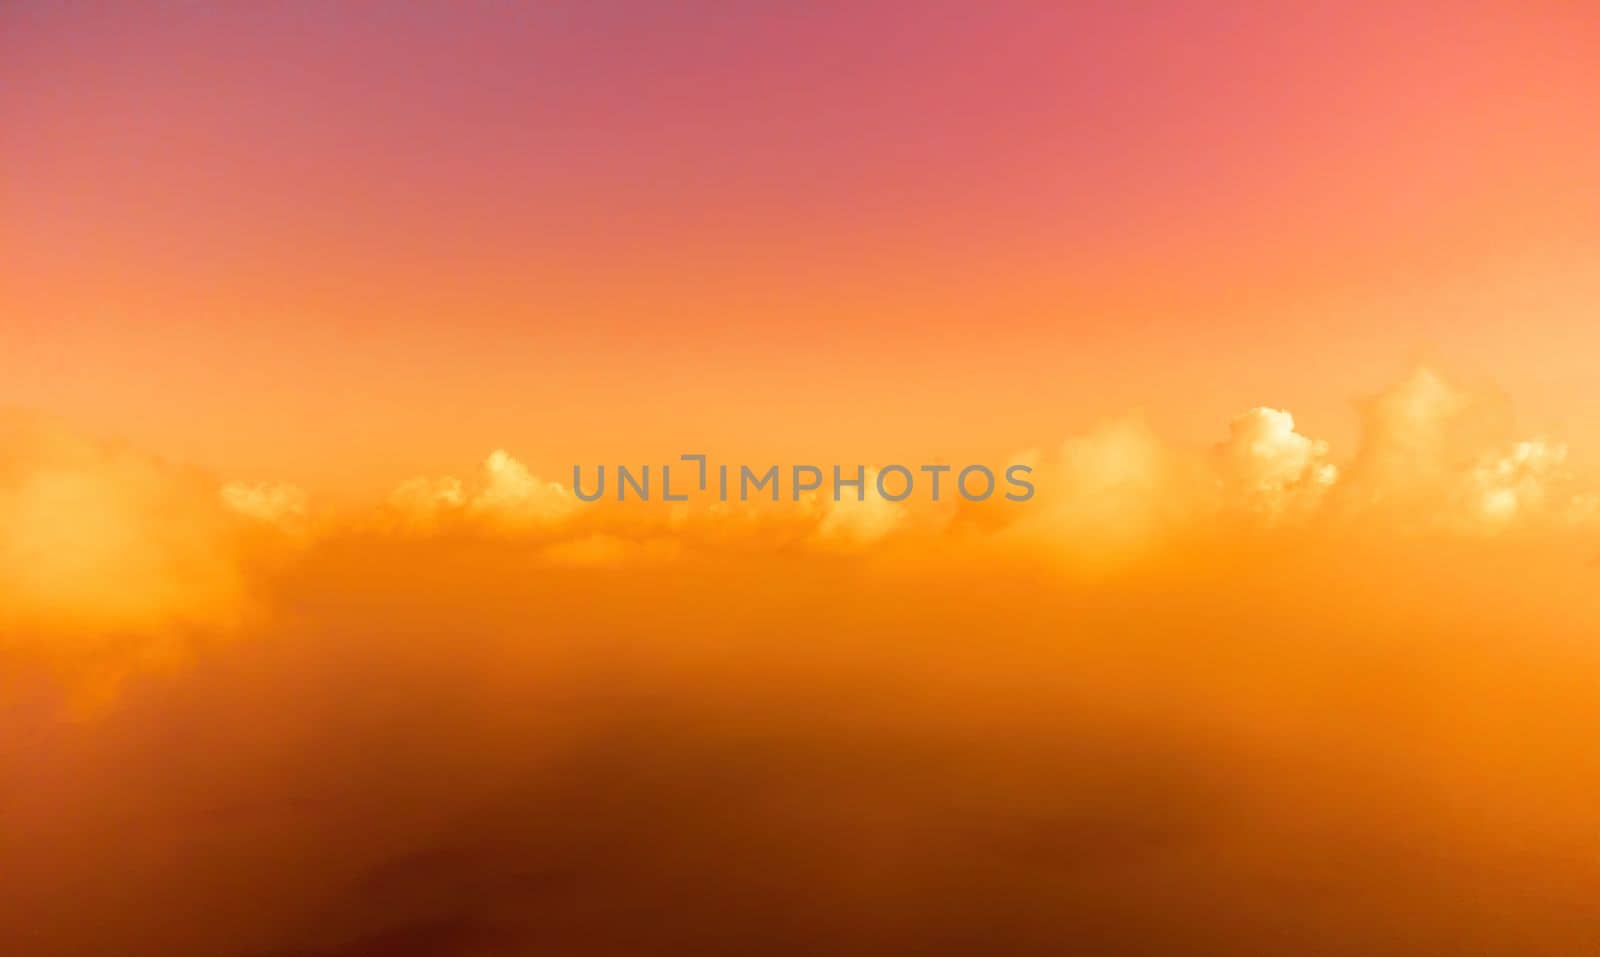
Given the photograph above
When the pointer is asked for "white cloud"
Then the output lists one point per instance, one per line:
(512, 494)
(507, 496)
(1267, 467)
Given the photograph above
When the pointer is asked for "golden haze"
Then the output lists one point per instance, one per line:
(1251, 694)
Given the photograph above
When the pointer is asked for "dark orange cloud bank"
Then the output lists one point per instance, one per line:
(311, 647)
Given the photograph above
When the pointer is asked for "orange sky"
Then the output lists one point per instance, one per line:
(308, 309)
(295, 243)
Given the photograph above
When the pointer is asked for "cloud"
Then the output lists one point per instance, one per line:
(1505, 487)
(465, 744)
(1420, 437)
(421, 504)
(114, 563)
(1438, 455)
(1268, 468)
(512, 495)
(97, 538)
(1108, 497)
(280, 505)
(479, 716)
(853, 521)
(1434, 456)
(505, 497)
(117, 551)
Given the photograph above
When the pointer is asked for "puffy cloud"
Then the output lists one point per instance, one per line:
(1267, 467)
(1435, 456)
(100, 535)
(1418, 438)
(97, 536)
(506, 497)
(1506, 487)
(1440, 455)
(513, 495)
(113, 562)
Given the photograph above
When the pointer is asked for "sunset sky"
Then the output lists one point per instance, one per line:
(303, 242)
(308, 310)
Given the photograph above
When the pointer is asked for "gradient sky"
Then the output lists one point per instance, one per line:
(307, 307)
(301, 242)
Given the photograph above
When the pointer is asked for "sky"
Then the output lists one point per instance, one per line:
(310, 647)
(312, 243)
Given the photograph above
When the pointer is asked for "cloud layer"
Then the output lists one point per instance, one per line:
(100, 540)
(1227, 699)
